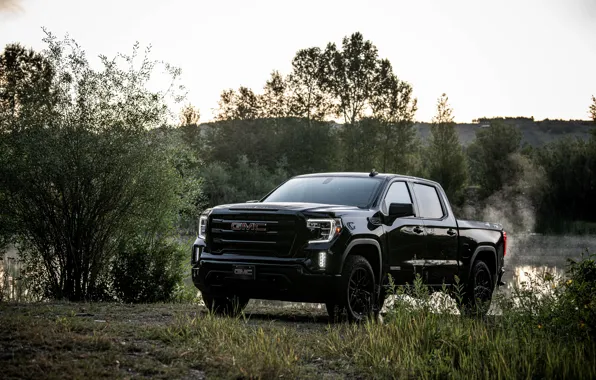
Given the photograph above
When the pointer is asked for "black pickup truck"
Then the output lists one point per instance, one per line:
(335, 238)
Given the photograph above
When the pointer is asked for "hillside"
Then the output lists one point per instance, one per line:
(535, 133)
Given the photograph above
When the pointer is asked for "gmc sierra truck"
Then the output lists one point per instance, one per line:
(335, 238)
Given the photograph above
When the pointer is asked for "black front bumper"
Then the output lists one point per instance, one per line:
(274, 281)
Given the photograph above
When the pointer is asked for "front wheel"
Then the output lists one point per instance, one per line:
(356, 297)
(221, 305)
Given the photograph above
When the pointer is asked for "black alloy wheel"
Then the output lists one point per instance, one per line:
(479, 293)
(356, 298)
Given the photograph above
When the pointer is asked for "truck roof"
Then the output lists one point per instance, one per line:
(363, 174)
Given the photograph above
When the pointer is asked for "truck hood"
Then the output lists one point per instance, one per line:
(287, 206)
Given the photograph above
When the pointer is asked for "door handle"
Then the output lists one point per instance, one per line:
(418, 230)
(451, 232)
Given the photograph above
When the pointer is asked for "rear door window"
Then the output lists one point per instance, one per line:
(428, 202)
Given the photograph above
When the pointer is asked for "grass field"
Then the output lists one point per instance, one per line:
(104, 340)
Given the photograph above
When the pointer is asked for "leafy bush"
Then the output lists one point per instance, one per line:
(145, 271)
(563, 306)
(81, 169)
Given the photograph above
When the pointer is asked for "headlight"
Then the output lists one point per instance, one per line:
(203, 227)
(323, 230)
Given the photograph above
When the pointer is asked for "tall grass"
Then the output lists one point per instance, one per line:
(538, 331)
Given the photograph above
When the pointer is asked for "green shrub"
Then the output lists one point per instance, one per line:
(562, 306)
(148, 271)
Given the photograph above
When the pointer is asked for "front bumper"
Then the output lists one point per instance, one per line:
(284, 281)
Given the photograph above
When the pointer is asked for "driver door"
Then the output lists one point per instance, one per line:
(406, 237)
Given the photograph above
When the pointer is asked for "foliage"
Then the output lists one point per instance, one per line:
(25, 82)
(570, 169)
(82, 173)
(562, 306)
(274, 100)
(148, 269)
(593, 109)
(304, 145)
(445, 158)
(492, 156)
(348, 74)
(243, 104)
(307, 98)
(224, 183)
(189, 115)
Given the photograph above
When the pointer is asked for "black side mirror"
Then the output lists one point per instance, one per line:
(401, 210)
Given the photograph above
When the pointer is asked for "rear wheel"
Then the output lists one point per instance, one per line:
(479, 290)
(356, 298)
(221, 305)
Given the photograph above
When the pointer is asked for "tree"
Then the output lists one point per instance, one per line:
(189, 115)
(242, 181)
(88, 172)
(492, 156)
(359, 145)
(445, 156)
(393, 106)
(570, 169)
(274, 101)
(25, 78)
(347, 75)
(593, 109)
(238, 105)
(306, 97)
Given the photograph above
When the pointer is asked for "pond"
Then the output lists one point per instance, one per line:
(530, 255)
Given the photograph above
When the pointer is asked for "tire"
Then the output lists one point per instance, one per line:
(479, 290)
(229, 306)
(356, 299)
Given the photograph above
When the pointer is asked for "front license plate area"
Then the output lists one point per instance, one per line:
(243, 272)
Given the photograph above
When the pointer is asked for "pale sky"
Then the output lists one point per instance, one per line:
(492, 58)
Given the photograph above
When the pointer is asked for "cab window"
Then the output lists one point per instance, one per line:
(398, 193)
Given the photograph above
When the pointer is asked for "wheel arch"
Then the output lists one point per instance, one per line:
(368, 248)
(488, 254)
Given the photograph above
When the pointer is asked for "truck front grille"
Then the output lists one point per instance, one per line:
(262, 234)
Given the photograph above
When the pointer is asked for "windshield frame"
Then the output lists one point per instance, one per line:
(373, 200)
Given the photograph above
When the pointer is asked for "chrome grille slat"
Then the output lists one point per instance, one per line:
(219, 230)
(243, 221)
(224, 241)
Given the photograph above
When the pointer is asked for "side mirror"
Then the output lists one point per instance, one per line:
(401, 210)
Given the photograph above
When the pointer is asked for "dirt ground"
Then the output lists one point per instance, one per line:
(106, 340)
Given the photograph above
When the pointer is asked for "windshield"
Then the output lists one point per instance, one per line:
(348, 191)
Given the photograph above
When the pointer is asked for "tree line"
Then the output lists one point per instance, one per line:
(98, 180)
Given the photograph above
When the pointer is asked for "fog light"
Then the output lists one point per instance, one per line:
(197, 253)
(322, 259)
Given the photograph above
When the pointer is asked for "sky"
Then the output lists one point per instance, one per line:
(492, 58)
